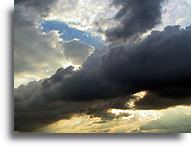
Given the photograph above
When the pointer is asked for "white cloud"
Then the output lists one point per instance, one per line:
(91, 15)
(84, 15)
(175, 12)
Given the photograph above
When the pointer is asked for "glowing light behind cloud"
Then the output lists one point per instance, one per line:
(126, 121)
(86, 15)
(136, 97)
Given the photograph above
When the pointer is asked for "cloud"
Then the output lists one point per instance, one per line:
(110, 75)
(86, 15)
(77, 52)
(129, 71)
(160, 60)
(122, 71)
(41, 6)
(37, 55)
(172, 120)
(30, 115)
(165, 98)
(125, 122)
(134, 17)
(173, 14)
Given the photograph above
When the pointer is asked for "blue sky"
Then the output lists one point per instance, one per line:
(69, 33)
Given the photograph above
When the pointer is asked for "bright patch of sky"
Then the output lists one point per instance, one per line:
(68, 33)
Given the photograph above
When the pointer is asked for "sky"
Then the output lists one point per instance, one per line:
(105, 66)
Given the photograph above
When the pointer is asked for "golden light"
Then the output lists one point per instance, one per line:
(124, 121)
(135, 98)
(136, 117)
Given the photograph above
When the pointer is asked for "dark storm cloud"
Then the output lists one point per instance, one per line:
(161, 60)
(135, 16)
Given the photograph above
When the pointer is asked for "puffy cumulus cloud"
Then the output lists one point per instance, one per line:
(103, 16)
(37, 54)
(109, 17)
(86, 15)
(135, 16)
(34, 52)
(173, 12)
(77, 52)
(176, 12)
(172, 120)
